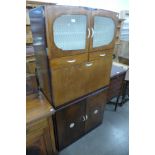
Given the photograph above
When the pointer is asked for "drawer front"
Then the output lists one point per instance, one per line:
(30, 66)
(35, 130)
(38, 125)
(117, 79)
(31, 84)
(116, 84)
(106, 54)
(68, 61)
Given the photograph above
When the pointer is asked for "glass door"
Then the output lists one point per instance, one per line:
(103, 29)
(68, 30)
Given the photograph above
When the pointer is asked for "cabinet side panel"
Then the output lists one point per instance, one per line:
(37, 20)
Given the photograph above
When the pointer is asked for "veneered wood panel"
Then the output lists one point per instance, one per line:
(99, 74)
(68, 61)
(69, 83)
(37, 20)
(103, 54)
(70, 124)
(94, 109)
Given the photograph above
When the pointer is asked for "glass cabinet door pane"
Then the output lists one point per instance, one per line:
(104, 29)
(70, 32)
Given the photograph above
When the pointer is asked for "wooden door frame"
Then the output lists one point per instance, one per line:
(103, 13)
(53, 51)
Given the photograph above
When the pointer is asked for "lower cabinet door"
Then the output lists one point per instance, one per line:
(70, 124)
(94, 109)
(69, 83)
(39, 145)
(37, 148)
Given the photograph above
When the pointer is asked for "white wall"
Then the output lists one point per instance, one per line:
(113, 5)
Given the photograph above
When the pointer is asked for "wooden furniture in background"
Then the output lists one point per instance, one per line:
(116, 83)
(74, 54)
(31, 81)
(74, 120)
(118, 40)
(39, 126)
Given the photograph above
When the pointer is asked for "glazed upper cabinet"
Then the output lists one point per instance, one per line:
(75, 30)
(67, 30)
(103, 28)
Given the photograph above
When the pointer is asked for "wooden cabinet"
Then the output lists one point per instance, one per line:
(115, 86)
(73, 48)
(70, 123)
(40, 139)
(76, 119)
(94, 109)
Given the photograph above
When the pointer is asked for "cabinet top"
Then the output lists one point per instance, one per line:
(37, 107)
(118, 68)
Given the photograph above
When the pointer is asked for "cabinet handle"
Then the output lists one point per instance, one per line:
(92, 32)
(86, 117)
(102, 55)
(95, 111)
(83, 118)
(71, 61)
(89, 64)
(88, 32)
(72, 125)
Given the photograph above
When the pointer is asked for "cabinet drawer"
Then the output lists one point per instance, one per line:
(30, 66)
(36, 126)
(113, 93)
(106, 54)
(68, 61)
(115, 86)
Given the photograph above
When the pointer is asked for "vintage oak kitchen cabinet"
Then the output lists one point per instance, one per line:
(73, 48)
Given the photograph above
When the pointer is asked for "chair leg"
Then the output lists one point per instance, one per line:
(116, 104)
(124, 93)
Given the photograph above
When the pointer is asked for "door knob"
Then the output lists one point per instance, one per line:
(72, 125)
(86, 117)
(102, 55)
(95, 111)
(83, 118)
(92, 32)
(71, 61)
(89, 64)
(88, 32)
